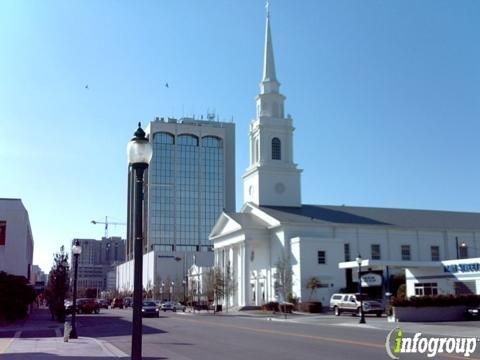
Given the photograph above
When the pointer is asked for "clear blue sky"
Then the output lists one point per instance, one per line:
(385, 97)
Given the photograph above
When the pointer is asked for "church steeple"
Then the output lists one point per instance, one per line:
(272, 177)
(269, 102)
(269, 82)
(268, 58)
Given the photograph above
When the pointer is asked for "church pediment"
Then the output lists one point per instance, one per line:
(225, 225)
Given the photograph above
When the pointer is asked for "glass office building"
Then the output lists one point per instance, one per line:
(191, 179)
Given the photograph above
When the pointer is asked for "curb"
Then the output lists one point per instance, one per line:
(108, 348)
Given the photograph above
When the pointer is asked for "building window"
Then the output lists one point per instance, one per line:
(3, 232)
(346, 251)
(276, 149)
(435, 253)
(426, 289)
(322, 257)
(406, 253)
(376, 252)
(256, 153)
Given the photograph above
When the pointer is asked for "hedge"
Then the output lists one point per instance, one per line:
(15, 296)
(437, 301)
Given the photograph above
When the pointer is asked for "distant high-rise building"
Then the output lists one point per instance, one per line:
(190, 180)
(16, 241)
(97, 259)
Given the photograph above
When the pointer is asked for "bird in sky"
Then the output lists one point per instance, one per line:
(86, 86)
(166, 85)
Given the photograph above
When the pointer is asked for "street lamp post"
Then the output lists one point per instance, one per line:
(184, 283)
(172, 291)
(362, 314)
(139, 152)
(76, 251)
(457, 248)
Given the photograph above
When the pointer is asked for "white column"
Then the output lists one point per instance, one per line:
(246, 274)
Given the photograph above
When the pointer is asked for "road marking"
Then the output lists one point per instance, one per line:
(283, 333)
(313, 337)
(5, 343)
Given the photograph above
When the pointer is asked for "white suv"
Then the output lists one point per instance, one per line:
(351, 303)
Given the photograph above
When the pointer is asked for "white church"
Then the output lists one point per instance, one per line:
(323, 241)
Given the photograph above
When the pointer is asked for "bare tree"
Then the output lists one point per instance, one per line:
(229, 284)
(215, 285)
(283, 278)
(313, 284)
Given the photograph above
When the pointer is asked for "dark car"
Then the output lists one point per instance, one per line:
(103, 303)
(87, 306)
(473, 313)
(117, 303)
(149, 308)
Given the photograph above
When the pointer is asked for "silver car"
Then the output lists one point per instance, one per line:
(350, 303)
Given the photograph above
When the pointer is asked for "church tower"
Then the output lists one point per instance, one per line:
(272, 177)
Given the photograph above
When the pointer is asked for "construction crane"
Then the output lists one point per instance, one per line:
(106, 223)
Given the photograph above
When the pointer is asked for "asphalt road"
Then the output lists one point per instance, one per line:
(188, 336)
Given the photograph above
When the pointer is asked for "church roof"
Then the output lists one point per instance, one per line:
(408, 218)
(247, 220)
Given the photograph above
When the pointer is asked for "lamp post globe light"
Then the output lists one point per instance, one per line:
(139, 152)
(76, 251)
(359, 262)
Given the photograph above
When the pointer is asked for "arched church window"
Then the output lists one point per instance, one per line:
(276, 149)
(257, 150)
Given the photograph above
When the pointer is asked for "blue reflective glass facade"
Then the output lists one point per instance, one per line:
(186, 190)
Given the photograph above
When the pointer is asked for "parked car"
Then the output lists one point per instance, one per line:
(350, 303)
(87, 306)
(103, 303)
(172, 306)
(149, 308)
(178, 307)
(473, 313)
(166, 306)
(117, 303)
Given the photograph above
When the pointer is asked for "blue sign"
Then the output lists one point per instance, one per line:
(472, 267)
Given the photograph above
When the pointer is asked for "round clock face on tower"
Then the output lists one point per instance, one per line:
(279, 188)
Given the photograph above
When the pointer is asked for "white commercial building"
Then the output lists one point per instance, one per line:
(274, 227)
(458, 277)
(16, 241)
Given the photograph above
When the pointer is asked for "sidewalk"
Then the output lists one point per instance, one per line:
(38, 337)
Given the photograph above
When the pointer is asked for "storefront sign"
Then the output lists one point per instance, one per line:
(464, 268)
(371, 279)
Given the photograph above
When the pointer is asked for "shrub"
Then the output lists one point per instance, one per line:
(270, 306)
(437, 301)
(311, 307)
(15, 296)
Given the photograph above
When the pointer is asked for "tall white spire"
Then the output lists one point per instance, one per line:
(269, 80)
(268, 60)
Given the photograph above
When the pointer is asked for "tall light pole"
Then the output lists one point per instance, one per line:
(76, 251)
(362, 314)
(139, 152)
(457, 248)
(184, 283)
